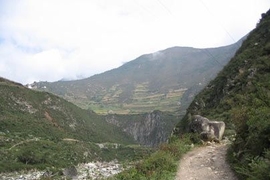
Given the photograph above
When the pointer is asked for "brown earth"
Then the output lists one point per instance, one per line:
(205, 163)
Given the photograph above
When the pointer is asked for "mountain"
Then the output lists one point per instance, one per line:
(41, 130)
(166, 80)
(240, 96)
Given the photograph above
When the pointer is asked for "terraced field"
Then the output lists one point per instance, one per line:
(142, 100)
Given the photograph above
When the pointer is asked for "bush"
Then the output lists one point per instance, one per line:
(30, 157)
(257, 168)
(162, 164)
(250, 153)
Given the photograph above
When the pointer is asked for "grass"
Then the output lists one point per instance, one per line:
(44, 153)
(161, 165)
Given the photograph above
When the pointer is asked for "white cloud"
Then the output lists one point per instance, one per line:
(55, 39)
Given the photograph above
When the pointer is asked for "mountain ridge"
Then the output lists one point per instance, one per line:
(156, 81)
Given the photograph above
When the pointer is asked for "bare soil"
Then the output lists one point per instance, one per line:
(205, 163)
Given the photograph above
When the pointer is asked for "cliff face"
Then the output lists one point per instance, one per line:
(149, 132)
(149, 129)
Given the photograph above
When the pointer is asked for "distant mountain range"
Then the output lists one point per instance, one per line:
(166, 80)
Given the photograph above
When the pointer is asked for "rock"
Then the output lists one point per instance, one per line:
(151, 129)
(70, 172)
(91, 170)
(98, 170)
(209, 130)
(47, 174)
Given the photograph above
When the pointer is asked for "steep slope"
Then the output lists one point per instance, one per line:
(149, 129)
(165, 80)
(39, 130)
(240, 96)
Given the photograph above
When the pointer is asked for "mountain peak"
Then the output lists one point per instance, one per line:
(162, 80)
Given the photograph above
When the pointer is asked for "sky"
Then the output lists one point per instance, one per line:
(50, 40)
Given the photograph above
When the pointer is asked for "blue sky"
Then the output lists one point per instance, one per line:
(48, 40)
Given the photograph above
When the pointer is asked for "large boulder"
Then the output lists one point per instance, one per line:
(209, 130)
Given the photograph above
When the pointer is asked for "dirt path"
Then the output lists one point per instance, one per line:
(205, 163)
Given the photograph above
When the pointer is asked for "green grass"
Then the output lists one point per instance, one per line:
(41, 153)
(161, 165)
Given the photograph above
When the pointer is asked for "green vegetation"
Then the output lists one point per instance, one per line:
(162, 164)
(40, 130)
(41, 153)
(26, 112)
(165, 81)
(240, 96)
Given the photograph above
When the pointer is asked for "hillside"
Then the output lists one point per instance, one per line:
(240, 96)
(41, 130)
(166, 80)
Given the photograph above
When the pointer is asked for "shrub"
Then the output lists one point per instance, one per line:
(30, 157)
(250, 154)
(162, 164)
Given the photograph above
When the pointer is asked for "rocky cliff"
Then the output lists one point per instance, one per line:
(149, 129)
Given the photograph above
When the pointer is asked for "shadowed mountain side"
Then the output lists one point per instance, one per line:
(166, 80)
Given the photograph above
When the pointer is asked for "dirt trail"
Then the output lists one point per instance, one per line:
(205, 163)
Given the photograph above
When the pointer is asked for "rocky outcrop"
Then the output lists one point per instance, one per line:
(148, 132)
(149, 129)
(70, 172)
(208, 130)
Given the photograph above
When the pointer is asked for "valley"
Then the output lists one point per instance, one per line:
(141, 112)
(122, 114)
